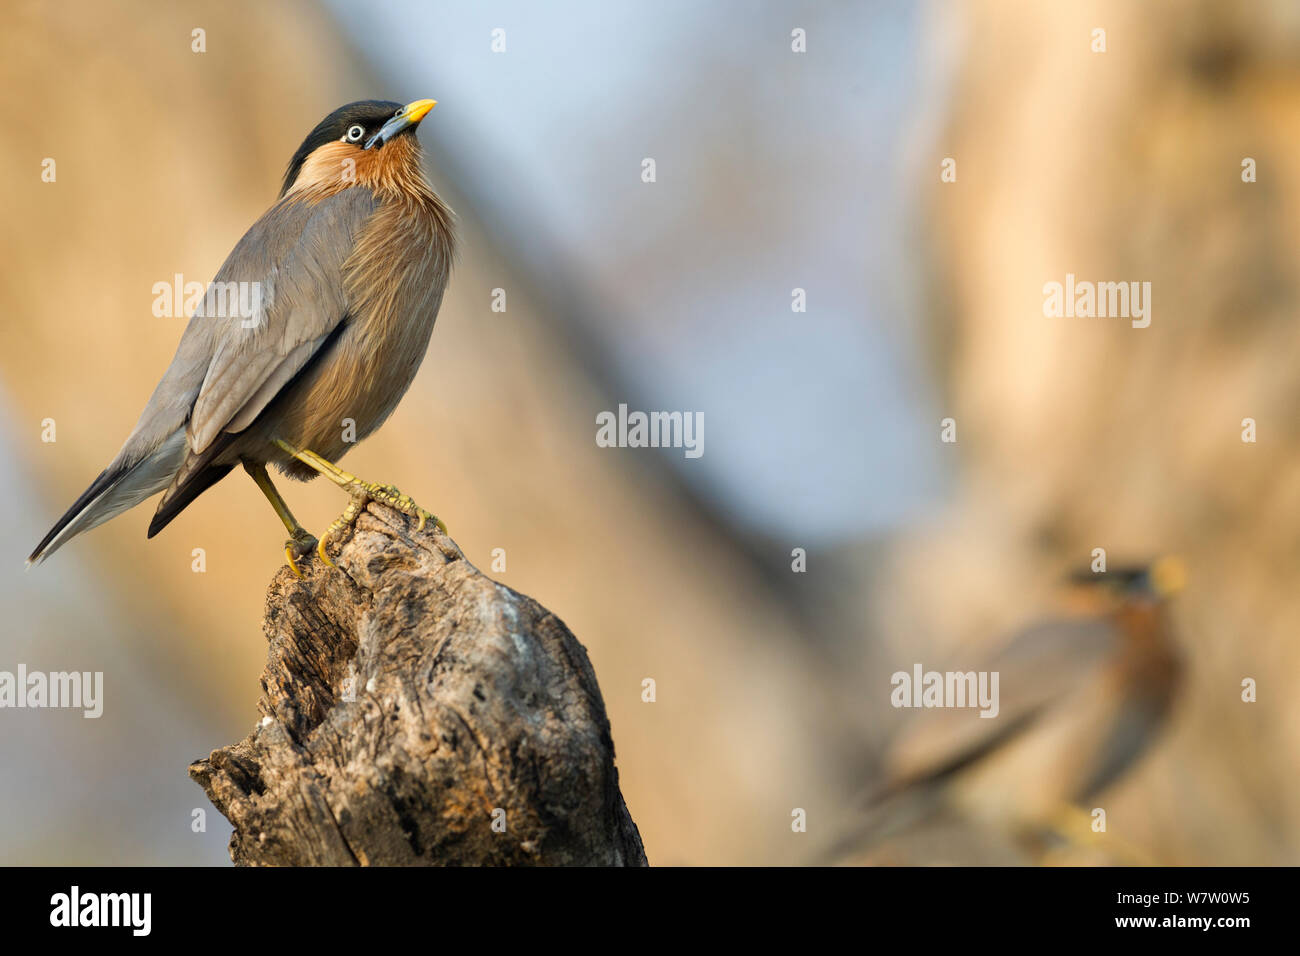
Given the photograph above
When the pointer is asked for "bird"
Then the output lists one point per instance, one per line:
(1081, 696)
(349, 266)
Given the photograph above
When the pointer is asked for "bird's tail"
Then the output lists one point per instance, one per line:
(120, 486)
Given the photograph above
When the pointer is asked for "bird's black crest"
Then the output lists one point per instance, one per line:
(371, 114)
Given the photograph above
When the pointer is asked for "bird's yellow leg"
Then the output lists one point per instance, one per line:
(301, 541)
(1074, 826)
(361, 492)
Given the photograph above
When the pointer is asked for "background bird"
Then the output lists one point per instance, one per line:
(1081, 697)
(350, 265)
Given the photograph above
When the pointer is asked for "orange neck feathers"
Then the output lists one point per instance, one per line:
(391, 171)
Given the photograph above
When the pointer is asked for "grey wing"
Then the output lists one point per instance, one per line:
(302, 300)
(1036, 670)
(288, 247)
(229, 367)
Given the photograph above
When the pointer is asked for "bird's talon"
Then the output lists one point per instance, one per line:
(320, 550)
(392, 496)
(293, 564)
(299, 546)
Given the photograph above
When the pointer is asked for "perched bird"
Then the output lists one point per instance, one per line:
(1080, 698)
(349, 265)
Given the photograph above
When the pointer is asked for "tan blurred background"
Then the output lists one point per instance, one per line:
(772, 687)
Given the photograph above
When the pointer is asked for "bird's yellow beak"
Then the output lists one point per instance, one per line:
(414, 112)
(408, 116)
(1169, 575)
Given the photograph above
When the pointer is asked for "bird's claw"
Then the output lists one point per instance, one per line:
(363, 492)
(299, 546)
(395, 499)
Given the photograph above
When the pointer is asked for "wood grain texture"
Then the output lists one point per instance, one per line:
(406, 698)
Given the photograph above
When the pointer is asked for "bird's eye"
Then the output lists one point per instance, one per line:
(355, 133)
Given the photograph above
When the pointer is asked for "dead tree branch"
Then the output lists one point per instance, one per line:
(417, 712)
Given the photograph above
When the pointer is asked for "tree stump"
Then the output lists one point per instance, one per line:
(416, 712)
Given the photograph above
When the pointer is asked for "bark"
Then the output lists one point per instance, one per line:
(416, 712)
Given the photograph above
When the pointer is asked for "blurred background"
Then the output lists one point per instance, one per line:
(776, 170)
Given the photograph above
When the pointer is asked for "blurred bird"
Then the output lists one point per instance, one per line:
(1081, 697)
(350, 263)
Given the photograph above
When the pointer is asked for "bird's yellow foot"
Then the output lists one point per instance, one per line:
(365, 491)
(1073, 826)
(297, 547)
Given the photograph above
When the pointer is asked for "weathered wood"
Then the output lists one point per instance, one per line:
(407, 701)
